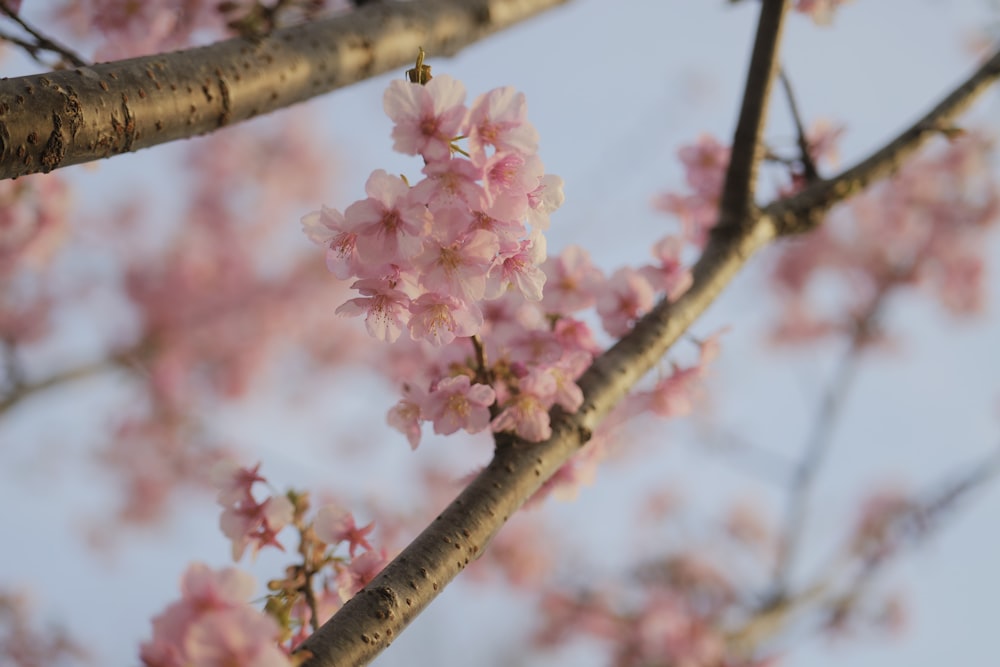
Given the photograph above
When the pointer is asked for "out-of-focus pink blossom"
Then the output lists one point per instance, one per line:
(246, 521)
(705, 164)
(670, 275)
(572, 283)
(821, 11)
(359, 573)
(213, 626)
(407, 414)
(625, 298)
(334, 525)
(527, 413)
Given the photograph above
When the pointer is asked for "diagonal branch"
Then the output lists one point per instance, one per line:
(804, 211)
(89, 113)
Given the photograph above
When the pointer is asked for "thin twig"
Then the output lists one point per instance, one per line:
(808, 165)
(43, 42)
(21, 391)
(818, 443)
(827, 588)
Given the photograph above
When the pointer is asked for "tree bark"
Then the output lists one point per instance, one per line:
(68, 117)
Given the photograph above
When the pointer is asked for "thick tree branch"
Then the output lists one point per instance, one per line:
(73, 116)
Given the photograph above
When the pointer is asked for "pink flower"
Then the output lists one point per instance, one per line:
(494, 220)
(626, 296)
(458, 265)
(255, 524)
(328, 228)
(389, 224)
(670, 276)
(213, 626)
(821, 11)
(697, 212)
(573, 334)
(519, 269)
(499, 119)
(527, 413)
(239, 636)
(451, 183)
(512, 175)
(334, 525)
(385, 308)
(427, 117)
(544, 199)
(570, 367)
(245, 521)
(705, 162)
(673, 396)
(456, 404)
(359, 573)
(234, 481)
(440, 319)
(572, 283)
(407, 414)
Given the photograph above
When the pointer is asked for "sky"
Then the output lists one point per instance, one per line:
(614, 89)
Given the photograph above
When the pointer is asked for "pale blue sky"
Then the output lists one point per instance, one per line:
(614, 89)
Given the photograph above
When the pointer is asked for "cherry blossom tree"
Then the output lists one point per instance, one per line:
(442, 283)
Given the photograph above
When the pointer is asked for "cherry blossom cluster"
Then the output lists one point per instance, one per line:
(425, 256)
(528, 353)
(338, 559)
(497, 334)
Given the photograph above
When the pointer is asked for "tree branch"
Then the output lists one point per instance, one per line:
(41, 43)
(805, 210)
(809, 170)
(741, 173)
(20, 390)
(89, 113)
